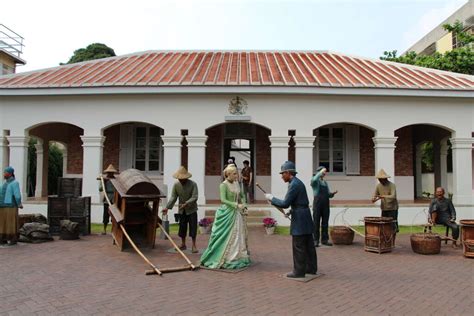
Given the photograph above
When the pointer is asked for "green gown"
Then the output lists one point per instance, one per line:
(227, 248)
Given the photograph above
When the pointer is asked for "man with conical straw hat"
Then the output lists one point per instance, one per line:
(109, 191)
(186, 191)
(386, 192)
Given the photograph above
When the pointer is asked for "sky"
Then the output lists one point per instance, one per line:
(53, 29)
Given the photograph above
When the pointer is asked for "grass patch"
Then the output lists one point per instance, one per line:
(98, 228)
(439, 229)
(285, 230)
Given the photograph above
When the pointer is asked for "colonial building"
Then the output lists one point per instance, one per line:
(11, 48)
(156, 110)
(441, 41)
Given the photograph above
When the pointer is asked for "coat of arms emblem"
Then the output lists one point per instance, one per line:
(238, 106)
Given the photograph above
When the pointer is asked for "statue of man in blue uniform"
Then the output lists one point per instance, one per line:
(304, 254)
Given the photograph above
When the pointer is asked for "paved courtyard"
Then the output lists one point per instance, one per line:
(90, 276)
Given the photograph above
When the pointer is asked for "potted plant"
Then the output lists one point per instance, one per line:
(269, 223)
(205, 225)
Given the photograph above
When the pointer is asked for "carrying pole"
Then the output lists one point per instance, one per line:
(193, 267)
(155, 269)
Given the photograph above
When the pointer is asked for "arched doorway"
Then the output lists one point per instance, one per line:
(242, 141)
(423, 153)
(136, 145)
(57, 151)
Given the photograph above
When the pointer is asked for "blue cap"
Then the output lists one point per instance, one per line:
(288, 166)
(9, 170)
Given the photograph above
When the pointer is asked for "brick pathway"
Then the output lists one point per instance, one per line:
(90, 276)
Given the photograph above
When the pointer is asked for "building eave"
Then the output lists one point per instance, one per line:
(281, 90)
(15, 58)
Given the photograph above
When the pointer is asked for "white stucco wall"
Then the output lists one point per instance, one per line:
(302, 113)
(279, 113)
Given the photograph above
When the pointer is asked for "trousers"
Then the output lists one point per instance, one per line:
(454, 227)
(305, 259)
(184, 220)
(393, 215)
(321, 218)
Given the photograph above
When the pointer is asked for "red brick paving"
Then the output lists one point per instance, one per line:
(91, 277)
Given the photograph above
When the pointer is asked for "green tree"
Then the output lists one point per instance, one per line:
(55, 168)
(31, 176)
(460, 60)
(427, 157)
(92, 51)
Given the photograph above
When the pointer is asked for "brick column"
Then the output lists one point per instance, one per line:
(418, 171)
(92, 166)
(171, 159)
(279, 148)
(437, 163)
(39, 188)
(443, 160)
(385, 155)
(462, 170)
(18, 146)
(304, 161)
(197, 163)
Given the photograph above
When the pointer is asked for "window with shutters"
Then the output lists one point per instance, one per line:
(148, 149)
(330, 146)
(337, 149)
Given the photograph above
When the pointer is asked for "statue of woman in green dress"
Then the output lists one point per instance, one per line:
(227, 248)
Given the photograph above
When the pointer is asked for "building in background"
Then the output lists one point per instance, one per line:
(11, 48)
(439, 40)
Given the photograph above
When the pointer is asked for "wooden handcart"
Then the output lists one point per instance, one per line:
(134, 216)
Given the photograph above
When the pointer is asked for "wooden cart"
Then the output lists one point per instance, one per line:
(135, 207)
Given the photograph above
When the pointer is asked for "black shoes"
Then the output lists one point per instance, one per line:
(293, 275)
(326, 243)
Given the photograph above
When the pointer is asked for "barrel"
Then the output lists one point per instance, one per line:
(425, 243)
(379, 234)
(467, 233)
(341, 235)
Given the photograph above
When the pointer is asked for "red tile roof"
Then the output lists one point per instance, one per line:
(239, 68)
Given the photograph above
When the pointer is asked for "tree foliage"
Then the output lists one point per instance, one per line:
(55, 168)
(92, 51)
(31, 175)
(460, 60)
(427, 157)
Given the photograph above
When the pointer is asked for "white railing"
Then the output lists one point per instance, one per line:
(11, 41)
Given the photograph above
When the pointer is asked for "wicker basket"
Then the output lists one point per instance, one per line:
(341, 235)
(426, 243)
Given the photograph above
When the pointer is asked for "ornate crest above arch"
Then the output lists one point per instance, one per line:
(238, 106)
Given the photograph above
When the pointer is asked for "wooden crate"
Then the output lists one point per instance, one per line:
(69, 187)
(75, 209)
(379, 234)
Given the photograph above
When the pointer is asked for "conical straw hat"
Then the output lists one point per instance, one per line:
(110, 168)
(382, 174)
(182, 174)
